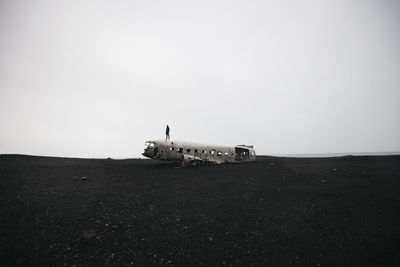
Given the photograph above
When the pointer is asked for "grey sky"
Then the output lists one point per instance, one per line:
(98, 78)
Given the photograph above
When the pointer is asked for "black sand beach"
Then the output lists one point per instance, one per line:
(342, 211)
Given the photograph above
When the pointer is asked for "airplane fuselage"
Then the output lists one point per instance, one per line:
(186, 152)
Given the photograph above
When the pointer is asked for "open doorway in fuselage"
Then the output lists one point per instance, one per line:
(241, 154)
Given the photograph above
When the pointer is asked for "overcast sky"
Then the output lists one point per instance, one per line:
(98, 78)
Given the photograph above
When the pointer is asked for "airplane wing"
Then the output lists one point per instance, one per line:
(193, 160)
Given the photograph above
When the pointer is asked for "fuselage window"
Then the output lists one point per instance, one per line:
(195, 151)
(226, 153)
(188, 150)
(212, 152)
(219, 153)
(204, 151)
(149, 144)
(180, 150)
(171, 148)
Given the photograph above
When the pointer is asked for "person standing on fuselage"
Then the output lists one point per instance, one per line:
(167, 133)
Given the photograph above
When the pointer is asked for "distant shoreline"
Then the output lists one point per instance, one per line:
(329, 155)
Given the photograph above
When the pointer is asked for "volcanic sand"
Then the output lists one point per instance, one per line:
(342, 211)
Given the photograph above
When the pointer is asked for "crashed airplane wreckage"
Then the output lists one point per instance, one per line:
(186, 153)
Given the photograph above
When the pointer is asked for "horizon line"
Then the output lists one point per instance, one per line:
(299, 155)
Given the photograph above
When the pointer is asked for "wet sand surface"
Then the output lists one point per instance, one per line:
(342, 211)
